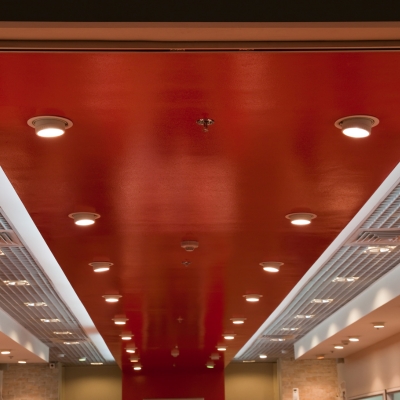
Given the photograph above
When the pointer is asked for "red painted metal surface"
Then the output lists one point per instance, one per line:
(136, 155)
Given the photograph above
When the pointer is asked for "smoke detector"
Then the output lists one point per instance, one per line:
(190, 245)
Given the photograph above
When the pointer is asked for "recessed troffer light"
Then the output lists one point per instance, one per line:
(252, 298)
(210, 364)
(357, 126)
(378, 325)
(120, 320)
(302, 316)
(229, 336)
(49, 126)
(321, 301)
(100, 266)
(345, 279)
(301, 218)
(238, 321)
(84, 218)
(379, 249)
(112, 298)
(126, 335)
(38, 304)
(96, 363)
(263, 356)
(271, 266)
(16, 283)
(137, 367)
(50, 320)
(5, 352)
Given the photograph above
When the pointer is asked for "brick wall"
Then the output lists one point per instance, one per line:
(30, 382)
(315, 379)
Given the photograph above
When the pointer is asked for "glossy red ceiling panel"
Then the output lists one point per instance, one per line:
(136, 155)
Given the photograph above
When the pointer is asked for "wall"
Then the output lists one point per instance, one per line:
(91, 383)
(255, 381)
(205, 383)
(315, 379)
(374, 368)
(30, 382)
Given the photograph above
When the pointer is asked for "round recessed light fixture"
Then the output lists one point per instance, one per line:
(320, 356)
(271, 266)
(190, 245)
(238, 321)
(252, 298)
(210, 364)
(131, 348)
(263, 356)
(301, 218)
(120, 320)
(338, 347)
(21, 361)
(4, 352)
(134, 359)
(378, 325)
(229, 336)
(215, 356)
(84, 218)
(137, 367)
(112, 298)
(49, 126)
(357, 126)
(126, 335)
(354, 339)
(100, 266)
(221, 347)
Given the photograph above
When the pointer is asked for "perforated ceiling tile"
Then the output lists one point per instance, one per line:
(349, 260)
(16, 264)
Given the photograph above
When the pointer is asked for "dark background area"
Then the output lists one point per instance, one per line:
(200, 11)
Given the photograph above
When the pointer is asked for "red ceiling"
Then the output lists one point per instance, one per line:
(136, 155)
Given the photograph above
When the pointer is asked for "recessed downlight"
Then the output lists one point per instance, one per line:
(215, 356)
(137, 367)
(229, 336)
(126, 335)
(263, 356)
(221, 347)
(301, 218)
(210, 364)
(357, 126)
(101, 266)
(354, 339)
(21, 361)
(82, 359)
(378, 325)
(84, 218)
(134, 359)
(338, 346)
(252, 298)
(112, 298)
(320, 356)
(131, 348)
(120, 320)
(190, 245)
(5, 352)
(271, 266)
(238, 321)
(49, 126)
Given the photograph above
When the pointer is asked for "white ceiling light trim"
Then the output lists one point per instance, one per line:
(22, 223)
(380, 194)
